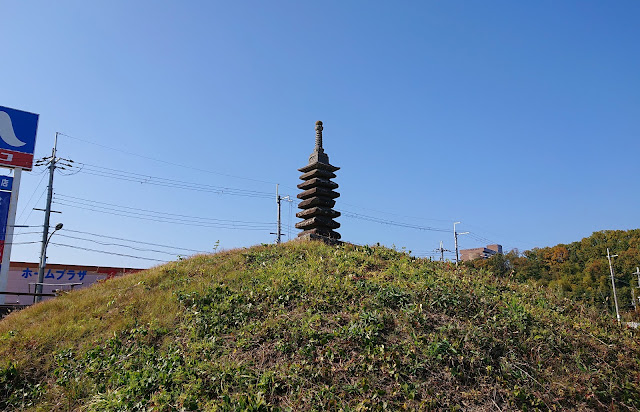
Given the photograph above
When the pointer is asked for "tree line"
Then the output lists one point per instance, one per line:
(580, 270)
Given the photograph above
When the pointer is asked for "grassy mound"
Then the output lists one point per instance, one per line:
(306, 326)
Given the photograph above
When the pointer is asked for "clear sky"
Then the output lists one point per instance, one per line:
(519, 119)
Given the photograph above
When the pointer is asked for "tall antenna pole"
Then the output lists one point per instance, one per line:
(279, 230)
(455, 238)
(47, 215)
(613, 284)
(441, 249)
(279, 200)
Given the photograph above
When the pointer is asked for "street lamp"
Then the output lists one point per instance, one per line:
(43, 264)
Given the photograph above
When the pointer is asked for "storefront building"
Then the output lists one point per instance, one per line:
(23, 277)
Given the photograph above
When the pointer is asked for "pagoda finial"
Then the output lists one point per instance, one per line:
(319, 136)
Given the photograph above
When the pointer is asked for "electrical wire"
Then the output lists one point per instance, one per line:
(115, 244)
(31, 197)
(161, 220)
(480, 239)
(360, 216)
(165, 161)
(105, 252)
(178, 184)
(146, 214)
(22, 243)
(30, 212)
(397, 214)
(23, 226)
(82, 200)
(71, 173)
(356, 215)
(135, 241)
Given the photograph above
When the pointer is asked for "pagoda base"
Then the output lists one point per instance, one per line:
(307, 237)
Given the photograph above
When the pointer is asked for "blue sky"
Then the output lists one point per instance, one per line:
(519, 119)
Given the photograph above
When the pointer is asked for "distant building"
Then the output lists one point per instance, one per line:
(480, 252)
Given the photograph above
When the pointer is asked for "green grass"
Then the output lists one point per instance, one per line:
(306, 326)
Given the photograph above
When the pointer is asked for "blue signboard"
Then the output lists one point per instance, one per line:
(6, 183)
(5, 200)
(18, 131)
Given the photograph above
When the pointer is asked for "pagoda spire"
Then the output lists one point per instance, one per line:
(319, 137)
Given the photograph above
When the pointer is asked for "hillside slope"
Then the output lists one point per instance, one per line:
(306, 326)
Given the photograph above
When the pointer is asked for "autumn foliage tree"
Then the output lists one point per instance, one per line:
(580, 269)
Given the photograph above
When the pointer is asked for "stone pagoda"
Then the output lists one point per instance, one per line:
(318, 196)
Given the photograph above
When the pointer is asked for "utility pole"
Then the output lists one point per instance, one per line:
(455, 239)
(279, 200)
(613, 284)
(279, 230)
(47, 215)
(637, 272)
(441, 249)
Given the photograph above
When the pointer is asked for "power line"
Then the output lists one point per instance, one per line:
(434, 253)
(31, 197)
(26, 233)
(165, 217)
(356, 215)
(115, 244)
(389, 222)
(69, 198)
(480, 238)
(165, 220)
(397, 214)
(135, 241)
(31, 211)
(105, 252)
(22, 243)
(165, 161)
(161, 181)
